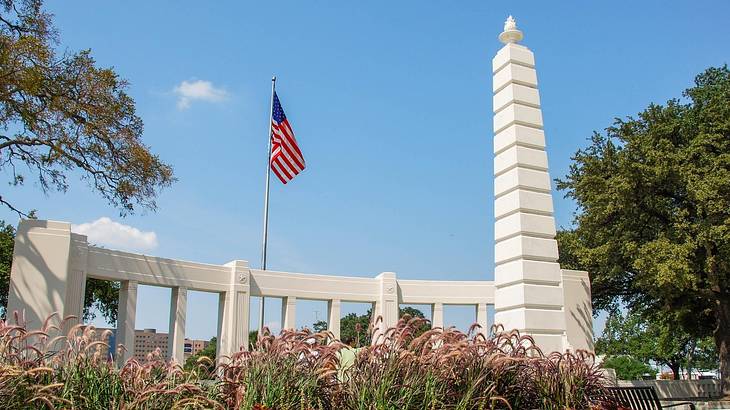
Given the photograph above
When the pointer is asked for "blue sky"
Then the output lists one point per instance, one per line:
(391, 104)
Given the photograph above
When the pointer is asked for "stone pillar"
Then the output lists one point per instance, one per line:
(482, 319)
(176, 335)
(241, 284)
(126, 318)
(385, 311)
(233, 311)
(48, 272)
(333, 317)
(289, 313)
(529, 294)
(262, 311)
(223, 337)
(76, 283)
(75, 289)
(437, 315)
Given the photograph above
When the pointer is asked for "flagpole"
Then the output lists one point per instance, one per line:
(268, 177)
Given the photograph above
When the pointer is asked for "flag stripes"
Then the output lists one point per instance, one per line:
(287, 160)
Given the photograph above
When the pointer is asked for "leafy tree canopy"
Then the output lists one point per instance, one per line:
(60, 112)
(355, 329)
(209, 351)
(653, 221)
(629, 368)
(7, 243)
(655, 340)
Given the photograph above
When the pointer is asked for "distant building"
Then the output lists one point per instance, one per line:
(147, 341)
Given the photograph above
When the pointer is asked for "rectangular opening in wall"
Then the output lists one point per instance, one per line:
(152, 321)
(200, 328)
(490, 319)
(272, 314)
(312, 314)
(101, 312)
(423, 311)
(459, 316)
(254, 321)
(355, 320)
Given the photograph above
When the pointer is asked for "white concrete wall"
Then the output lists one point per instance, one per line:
(578, 310)
(50, 262)
(679, 389)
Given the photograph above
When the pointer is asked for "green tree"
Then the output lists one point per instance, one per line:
(653, 221)
(654, 339)
(61, 113)
(319, 326)
(355, 329)
(7, 243)
(209, 352)
(628, 368)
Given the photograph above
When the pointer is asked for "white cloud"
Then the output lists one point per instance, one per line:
(201, 90)
(106, 232)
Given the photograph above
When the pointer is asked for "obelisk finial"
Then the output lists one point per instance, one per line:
(510, 34)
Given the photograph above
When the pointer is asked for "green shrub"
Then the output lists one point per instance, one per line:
(628, 368)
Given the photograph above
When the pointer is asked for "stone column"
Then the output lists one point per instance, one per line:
(126, 319)
(333, 317)
(529, 294)
(386, 307)
(262, 311)
(289, 313)
(75, 289)
(176, 335)
(76, 281)
(233, 311)
(482, 319)
(224, 345)
(437, 315)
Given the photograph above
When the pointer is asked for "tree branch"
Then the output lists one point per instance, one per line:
(14, 209)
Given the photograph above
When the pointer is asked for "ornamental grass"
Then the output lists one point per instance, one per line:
(406, 369)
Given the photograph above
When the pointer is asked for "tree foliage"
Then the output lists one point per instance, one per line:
(101, 296)
(61, 113)
(355, 329)
(209, 351)
(7, 243)
(653, 226)
(655, 340)
(629, 368)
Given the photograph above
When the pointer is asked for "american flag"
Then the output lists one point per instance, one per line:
(286, 159)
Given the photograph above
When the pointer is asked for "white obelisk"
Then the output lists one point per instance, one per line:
(529, 294)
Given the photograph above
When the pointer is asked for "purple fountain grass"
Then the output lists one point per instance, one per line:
(408, 368)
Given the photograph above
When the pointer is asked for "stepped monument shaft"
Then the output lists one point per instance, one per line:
(528, 279)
